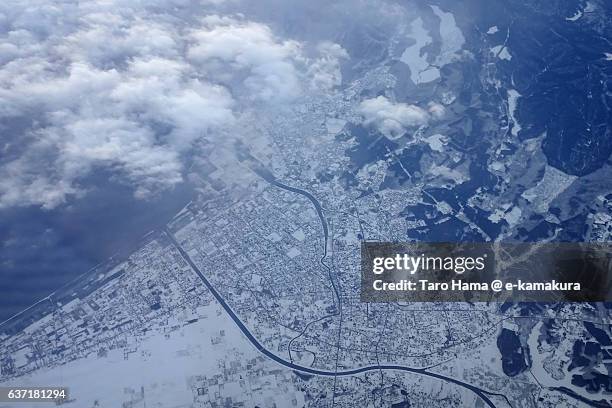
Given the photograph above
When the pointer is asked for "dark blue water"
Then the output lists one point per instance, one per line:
(512, 353)
(42, 250)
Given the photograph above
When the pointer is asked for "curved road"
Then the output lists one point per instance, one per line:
(269, 177)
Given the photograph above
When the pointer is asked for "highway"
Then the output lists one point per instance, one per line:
(315, 371)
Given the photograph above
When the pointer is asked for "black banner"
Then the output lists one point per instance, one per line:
(482, 272)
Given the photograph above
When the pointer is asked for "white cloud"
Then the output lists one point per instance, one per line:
(136, 121)
(129, 86)
(393, 119)
(265, 65)
(325, 71)
(436, 110)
